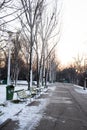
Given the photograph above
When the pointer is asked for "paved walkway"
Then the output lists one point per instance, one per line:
(65, 110)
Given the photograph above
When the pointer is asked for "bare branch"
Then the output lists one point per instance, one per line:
(25, 7)
(52, 49)
(10, 14)
(11, 20)
(1, 4)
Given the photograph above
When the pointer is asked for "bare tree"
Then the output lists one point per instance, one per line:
(15, 56)
(78, 63)
(48, 26)
(78, 67)
(32, 12)
(38, 27)
(53, 67)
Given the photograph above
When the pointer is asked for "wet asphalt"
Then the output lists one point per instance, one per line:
(67, 110)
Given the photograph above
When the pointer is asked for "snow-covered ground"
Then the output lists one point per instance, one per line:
(27, 114)
(80, 89)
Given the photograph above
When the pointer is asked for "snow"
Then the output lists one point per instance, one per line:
(80, 89)
(30, 116)
(27, 115)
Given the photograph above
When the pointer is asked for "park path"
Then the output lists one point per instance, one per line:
(67, 110)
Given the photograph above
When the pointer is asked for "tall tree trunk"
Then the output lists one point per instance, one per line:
(30, 66)
(30, 71)
(37, 72)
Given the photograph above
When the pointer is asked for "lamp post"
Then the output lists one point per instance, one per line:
(9, 58)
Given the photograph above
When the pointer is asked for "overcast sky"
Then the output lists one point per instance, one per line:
(74, 30)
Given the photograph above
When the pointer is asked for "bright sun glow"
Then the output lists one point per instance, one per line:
(74, 31)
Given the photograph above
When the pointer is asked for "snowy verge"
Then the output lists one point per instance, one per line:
(28, 116)
(80, 89)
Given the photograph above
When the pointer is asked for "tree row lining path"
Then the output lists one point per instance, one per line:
(67, 110)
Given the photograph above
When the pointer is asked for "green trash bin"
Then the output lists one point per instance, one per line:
(9, 92)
